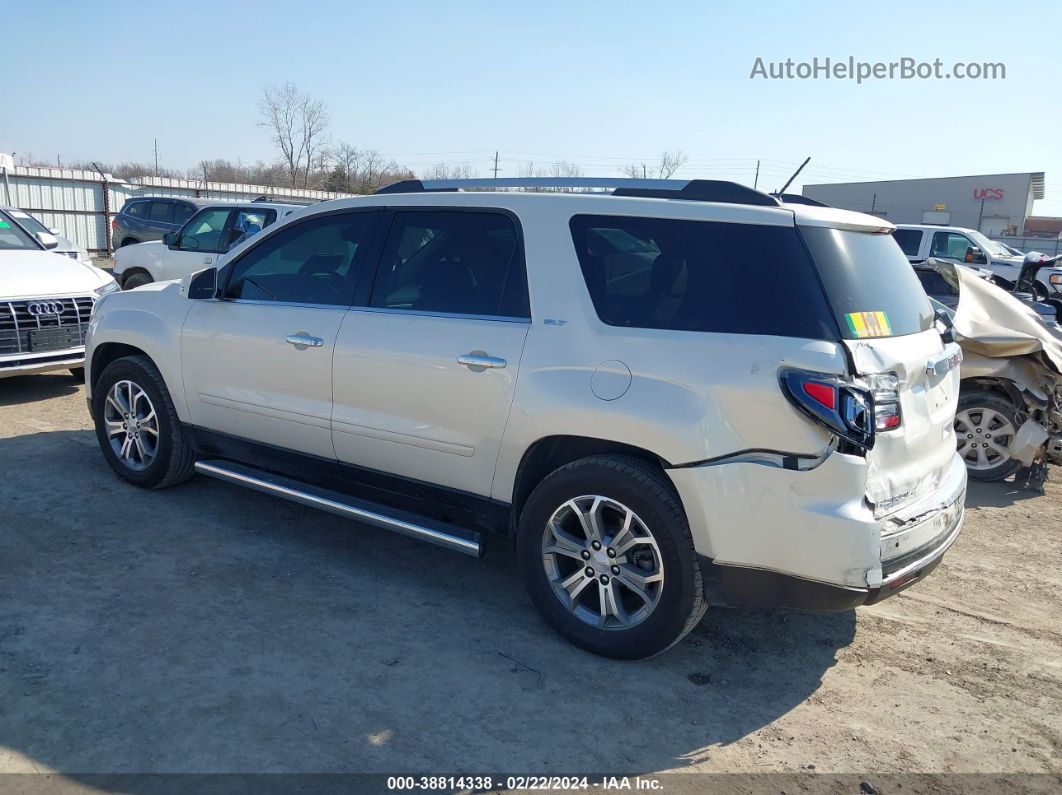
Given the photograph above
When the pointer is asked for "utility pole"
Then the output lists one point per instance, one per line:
(643, 170)
(981, 214)
(59, 161)
(156, 157)
(756, 181)
(495, 165)
(873, 203)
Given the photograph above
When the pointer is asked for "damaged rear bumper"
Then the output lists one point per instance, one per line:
(896, 551)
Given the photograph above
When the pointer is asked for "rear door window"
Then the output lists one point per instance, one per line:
(870, 284)
(459, 262)
(701, 276)
(909, 240)
(161, 212)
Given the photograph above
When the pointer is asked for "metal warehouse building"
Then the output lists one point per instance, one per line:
(996, 204)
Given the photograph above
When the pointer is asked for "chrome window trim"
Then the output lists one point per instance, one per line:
(256, 302)
(384, 310)
(378, 310)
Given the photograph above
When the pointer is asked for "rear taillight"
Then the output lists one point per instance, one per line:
(840, 406)
(114, 224)
(885, 388)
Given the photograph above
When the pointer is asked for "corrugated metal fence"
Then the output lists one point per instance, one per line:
(81, 203)
(1045, 245)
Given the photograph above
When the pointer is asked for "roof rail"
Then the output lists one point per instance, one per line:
(705, 190)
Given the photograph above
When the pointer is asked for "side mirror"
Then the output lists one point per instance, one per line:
(974, 256)
(201, 285)
(48, 240)
(170, 239)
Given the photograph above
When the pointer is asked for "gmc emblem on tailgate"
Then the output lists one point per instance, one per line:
(944, 365)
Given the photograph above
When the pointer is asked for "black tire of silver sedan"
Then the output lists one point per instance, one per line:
(137, 427)
(985, 424)
(606, 555)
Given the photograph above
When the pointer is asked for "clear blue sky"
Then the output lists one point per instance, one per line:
(599, 84)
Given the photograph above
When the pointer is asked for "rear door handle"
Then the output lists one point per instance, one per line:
(301, 341)
(480, 361)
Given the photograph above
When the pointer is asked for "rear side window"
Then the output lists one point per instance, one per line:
(161, 211)
(871, 286)
(467, 263)
(701, 276)
(909, 240)
(136, 209)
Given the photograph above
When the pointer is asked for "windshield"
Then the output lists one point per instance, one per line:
(13, 236)
(990, 247)
(29, 223)
(872, 288)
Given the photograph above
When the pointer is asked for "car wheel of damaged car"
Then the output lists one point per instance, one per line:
(137, 425)
(606, 554)
(985, 425)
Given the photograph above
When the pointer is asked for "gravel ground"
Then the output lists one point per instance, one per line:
(210, 629)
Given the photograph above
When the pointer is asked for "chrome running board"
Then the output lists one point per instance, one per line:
(421, 528)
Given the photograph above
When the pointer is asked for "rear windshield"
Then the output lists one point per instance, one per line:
(872, 288)
(701, 276)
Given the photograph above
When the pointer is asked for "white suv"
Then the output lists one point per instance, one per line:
(669, 394)
(45, 302)
(214, 229)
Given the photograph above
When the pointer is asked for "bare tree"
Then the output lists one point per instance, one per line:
(455, 171)
(562, 168)
(670, 162)
(354, 170)
(297, 123)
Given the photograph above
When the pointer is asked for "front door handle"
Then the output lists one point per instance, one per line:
(477, 361)
(302, 341)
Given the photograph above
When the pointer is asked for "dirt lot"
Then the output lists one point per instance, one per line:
(206, 628)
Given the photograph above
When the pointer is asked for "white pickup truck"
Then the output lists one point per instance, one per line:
(970, 247)
(208, 234)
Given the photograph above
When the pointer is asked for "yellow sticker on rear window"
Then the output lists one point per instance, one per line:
(869, 324)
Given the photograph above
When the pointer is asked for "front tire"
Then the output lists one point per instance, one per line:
(985, 424)
(138, 279)
(606, 555)
(137, 427)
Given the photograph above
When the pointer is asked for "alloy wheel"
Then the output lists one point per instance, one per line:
(132, 425)
(602, 562)
(983, 436)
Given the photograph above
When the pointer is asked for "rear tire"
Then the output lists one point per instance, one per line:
(137, 279)
(985, 424)
(621, 594)
(129, 241)
(130, 398)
